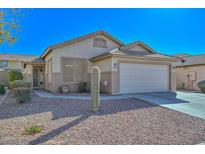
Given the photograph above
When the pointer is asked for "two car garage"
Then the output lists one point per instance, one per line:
(136, 78)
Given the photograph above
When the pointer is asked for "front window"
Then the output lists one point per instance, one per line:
(3, 64)
(74, 70)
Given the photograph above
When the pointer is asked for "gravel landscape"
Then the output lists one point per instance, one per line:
(127, 121)
(2, 97)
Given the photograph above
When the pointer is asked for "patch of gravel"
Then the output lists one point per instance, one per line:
(125, 121)
(2, 97)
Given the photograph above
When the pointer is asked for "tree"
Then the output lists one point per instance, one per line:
(9, 25)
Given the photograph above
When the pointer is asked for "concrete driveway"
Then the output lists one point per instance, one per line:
(187, 102)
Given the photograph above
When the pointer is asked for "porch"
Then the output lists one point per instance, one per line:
(34, 72)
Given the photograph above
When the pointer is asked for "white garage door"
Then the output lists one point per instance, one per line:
(143, 78)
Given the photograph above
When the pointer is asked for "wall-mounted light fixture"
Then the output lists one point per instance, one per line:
(115, 65)
(173, 67)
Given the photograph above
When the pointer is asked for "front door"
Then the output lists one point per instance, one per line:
(35, 78)
(38, 77)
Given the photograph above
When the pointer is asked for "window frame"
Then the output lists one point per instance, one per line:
(76, 64)
(95, 44)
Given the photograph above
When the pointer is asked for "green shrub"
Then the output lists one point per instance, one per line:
(201, 85)
(19, 84)
(82, 87)
(22, 94)
(14, 75)
(2, 89)
(33, 129)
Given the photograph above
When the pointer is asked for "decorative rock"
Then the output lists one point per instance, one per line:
(95, 89)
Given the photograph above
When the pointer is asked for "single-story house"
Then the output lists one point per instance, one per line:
(189, 71)
(13, 61)
(125, 68)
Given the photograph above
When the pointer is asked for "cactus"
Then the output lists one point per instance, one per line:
(95, 89)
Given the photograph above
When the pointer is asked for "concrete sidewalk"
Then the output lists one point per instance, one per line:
(45, 94)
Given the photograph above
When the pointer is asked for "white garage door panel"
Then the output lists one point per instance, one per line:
(143, 78)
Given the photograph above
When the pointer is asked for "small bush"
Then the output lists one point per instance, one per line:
(33, 129)
(14, 75)
(2, 89)
(22, 94)
(82, 87)
(201, 85)
(19, 84)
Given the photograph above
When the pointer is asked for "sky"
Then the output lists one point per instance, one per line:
(168, 31)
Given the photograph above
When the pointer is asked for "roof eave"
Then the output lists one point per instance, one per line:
(45, 53)
(145, 58)
(59, 45)
(100, 57)
(171, 59)
(130, 45)
(188, 65)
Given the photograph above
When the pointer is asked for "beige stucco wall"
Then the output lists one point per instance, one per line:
(116, 74)
(109, 66)
(14, 65)
(47, 58)
(181, 75)
(83, 49)
(27, 73)
(111, 74)
(4, 77)
(105, 65)
(49, 85)
(173, 78)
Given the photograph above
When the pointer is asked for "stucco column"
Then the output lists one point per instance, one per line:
(173, 78)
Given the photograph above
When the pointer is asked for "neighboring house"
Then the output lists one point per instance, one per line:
(13, 61)
(190, 71)
(125, 68)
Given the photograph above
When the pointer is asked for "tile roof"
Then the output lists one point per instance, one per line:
(80, 39)
(119, 51)
(133, 44)
(35, 61)
(191, 60)
(16, 57)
